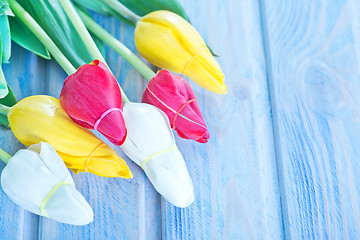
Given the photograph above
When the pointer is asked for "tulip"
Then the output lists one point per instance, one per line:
(170, 93)
(150, 144)
(168, 41)
(174, 96)
(41, 118)
(37, 179)
(92, 98)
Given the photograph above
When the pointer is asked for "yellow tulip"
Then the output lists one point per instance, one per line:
(168, 41)
(41, 118)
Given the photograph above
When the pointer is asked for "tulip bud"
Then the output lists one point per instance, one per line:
(168, 41)
(37, 179)
(174, 96)
(41, 118)
(150, 144)
(92, 98)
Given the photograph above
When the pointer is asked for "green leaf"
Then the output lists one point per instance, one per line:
(100, 7)
(5, 38)
(3, 85)
(9, 101)
(5, 44)
(139, 7)
(4, 121)
(5, 8)
(99, 43)
(95, 5)
(142, 8)
(51, 17)
(6, 96)
(211, 51)
(26, 39)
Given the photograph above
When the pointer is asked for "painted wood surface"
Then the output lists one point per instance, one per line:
(235, 176)
(312, 50)
(15, 222)
(283, 158)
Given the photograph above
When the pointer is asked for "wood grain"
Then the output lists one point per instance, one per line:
(313, 61)
(235, 176)
(24, 79)
(283, 157)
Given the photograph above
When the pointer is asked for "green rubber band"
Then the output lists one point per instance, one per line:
(156, 154)
(42, 208)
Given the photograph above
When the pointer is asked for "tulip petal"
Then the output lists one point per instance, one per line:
(150, 143)
(92, 98)
(147, 129)
(169, 176)
(41, 118)
(28, 180)
(67, 205)
(174, 96)
(170, 42)
(52, 161)
(22, 182)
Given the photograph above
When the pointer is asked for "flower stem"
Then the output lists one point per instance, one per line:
(115, 44)
(35, 28)
(3, 85)
(4, 156)
(85, 36)
(81, 29)
(122, 10)
(4, 110)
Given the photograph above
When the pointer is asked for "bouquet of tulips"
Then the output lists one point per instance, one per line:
(57, 131)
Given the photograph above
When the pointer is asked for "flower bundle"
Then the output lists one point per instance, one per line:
(57, 131)
(37, 180)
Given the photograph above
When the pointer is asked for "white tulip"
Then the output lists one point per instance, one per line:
(150, 143)
(37, 179)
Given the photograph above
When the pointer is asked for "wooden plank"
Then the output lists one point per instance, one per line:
(24, 79)
(124, 209)
(235, 175)
(313, 59)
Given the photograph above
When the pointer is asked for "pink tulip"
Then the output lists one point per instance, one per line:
(174, 96)
(92, 98)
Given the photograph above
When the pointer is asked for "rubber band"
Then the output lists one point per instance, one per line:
(179, 111)
(42, 208)
(156, 154)
(147, 87)
(192, 59)
(92, 154)
(104, 115)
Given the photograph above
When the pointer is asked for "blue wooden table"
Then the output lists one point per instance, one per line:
(283, 160)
